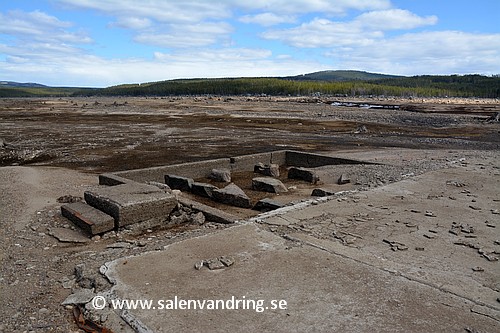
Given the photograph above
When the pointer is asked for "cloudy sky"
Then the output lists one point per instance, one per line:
(106, 42)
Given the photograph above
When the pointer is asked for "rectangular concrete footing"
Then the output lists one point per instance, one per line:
(88, 218)
(132, 203)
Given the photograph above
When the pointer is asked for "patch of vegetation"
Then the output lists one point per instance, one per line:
(38, 91)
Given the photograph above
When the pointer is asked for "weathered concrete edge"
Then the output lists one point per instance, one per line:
(211, 214)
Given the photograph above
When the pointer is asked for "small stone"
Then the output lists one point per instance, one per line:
(82, 296)
(429, 214)
(214, 264)
(96, 238)
(43, 311)
(429, 236)
(495, 211)
(227, 261)
(475, 207)
(199, 264)
(419, 248)
(478, 269)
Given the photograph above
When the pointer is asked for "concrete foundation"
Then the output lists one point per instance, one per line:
(88, 218)
(132, 203)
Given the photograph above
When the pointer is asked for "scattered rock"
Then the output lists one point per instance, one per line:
(215, 263)
(220, 175)
(232, 195)
(478, 269)
(69, 199)
(197, 218)
(343, 179)
(418, 248)
(271, 170)
(396, 246)
(475, 207)
(81, 296)
(266, 205)
(268, 184)
(429, 214)
(320, 192)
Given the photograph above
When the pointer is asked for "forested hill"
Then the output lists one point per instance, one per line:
(417, 86)
(333, 83)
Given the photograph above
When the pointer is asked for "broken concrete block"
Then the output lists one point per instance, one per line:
(203, 189)
(303, 174)
(321, 192)
(232, 195)
(90, 219)
(68, 236)
(179, 183)
(268, 184)
(132, 203)
(110, 179)
(210, 213)
(266, 205)
(220, 175)
(271, 170)
(81, 296)
(343, 179)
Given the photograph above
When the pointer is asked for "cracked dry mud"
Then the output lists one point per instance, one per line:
(435, 202)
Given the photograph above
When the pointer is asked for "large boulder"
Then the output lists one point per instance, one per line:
(232, 195)
(271, 170)
(266, 205)
(220, 175)
(268, 184)
(303, 174)
(179, 183)
(203, 189)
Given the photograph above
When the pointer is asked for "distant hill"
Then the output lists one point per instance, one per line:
(340, 76)
(20, 84)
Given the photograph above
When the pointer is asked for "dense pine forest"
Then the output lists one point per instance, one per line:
(332, 83)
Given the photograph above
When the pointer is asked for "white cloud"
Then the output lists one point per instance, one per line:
(321, 33)
(363, 30)
(335, 7)
(439, 52)
(163, 11)
(39, 26)
(267, 19)
(394, 19)
(185, 35)
(134, 23)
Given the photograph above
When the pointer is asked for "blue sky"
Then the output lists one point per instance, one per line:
(106, 42)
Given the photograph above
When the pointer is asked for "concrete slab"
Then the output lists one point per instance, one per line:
(132, 202)
(90, 219)
(324, 291)
(427, 215)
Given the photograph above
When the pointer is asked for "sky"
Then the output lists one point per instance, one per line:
(99, 43)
